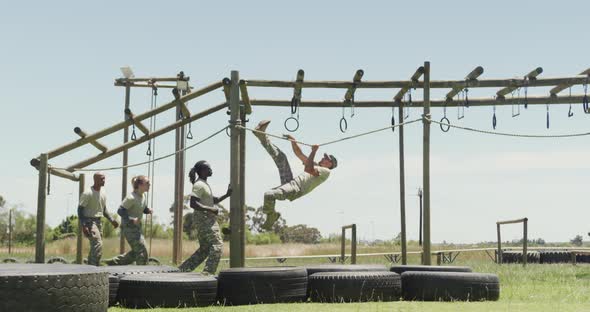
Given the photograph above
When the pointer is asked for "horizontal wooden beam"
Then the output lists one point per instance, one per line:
(513, 221)
(153, 79)
(121, 125)
(438, 84)
(145, 138)
(56, 172)
(534, 100)
(245, 97)
(137, 123)
(96, 144)
(415, 78)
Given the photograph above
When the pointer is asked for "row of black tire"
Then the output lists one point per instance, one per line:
(39, 287)
(543, 257)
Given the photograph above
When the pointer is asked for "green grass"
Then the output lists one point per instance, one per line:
(554, 288)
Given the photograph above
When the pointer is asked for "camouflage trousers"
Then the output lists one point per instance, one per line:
(138, 252)
(210, 245)
(287, 190)
(94, 228)
(280, 159)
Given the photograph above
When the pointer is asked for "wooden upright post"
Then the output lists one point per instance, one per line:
(41, 205)
(236, 243)
(402, 185)
(499, 253)
(343, 245)
(243, 184)
(353, 245)
(525, 242)
(178, 190)
(79, 240)
(9, 231)
(426, 259)
(125, 161)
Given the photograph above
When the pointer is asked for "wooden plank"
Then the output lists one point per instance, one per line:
(141, 85)
(472, 76)
(532, 100)
(512, 221)
(415, 77)
(145, 138)
(355, 80)
(237, 259)
(245, 97)
(56, 172)
(152, 79)
(79, 236)
(41, 207)
(555, 90)
(426, 166)
(242, 147)
(122, 125)
(529, 78)
(137, 123)
(226, 86)
(96, 144)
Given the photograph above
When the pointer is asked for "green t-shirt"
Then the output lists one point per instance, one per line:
(135, 204)
(93, 203)
(307, 182)
(202, 191)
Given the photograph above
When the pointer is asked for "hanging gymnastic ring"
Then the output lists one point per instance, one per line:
(294, 105)
(547, 120)
(494, 122)
(585, 104)
(343, 125)
(296, 124)
(227, 132)
(393, 123)
(570, 113)
(445, 124)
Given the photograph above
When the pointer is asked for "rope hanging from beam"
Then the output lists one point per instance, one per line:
(153, 160)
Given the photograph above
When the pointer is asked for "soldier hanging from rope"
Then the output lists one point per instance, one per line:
(291, 187)
(92, 207)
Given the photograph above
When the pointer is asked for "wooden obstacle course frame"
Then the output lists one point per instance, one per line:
(353, 243)
(524, 221)
(235, 87)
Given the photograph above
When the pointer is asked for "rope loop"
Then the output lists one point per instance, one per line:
(133, 135)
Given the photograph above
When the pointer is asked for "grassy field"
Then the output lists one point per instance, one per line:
(556, 287)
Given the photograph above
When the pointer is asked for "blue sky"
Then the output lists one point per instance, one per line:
(59, 61)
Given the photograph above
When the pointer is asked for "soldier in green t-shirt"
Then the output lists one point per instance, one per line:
(132, 209)
(204, 204)
(92, 207)
(291, 187)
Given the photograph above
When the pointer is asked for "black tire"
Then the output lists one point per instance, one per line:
(450, 286)
(516, 257)
(399, 269)
(53, 287)
(239, 286)
(167, 290)
(555, 257)
(10, 260)
(354, 286)
(57, 260)
(312, 269)
(119, 271)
